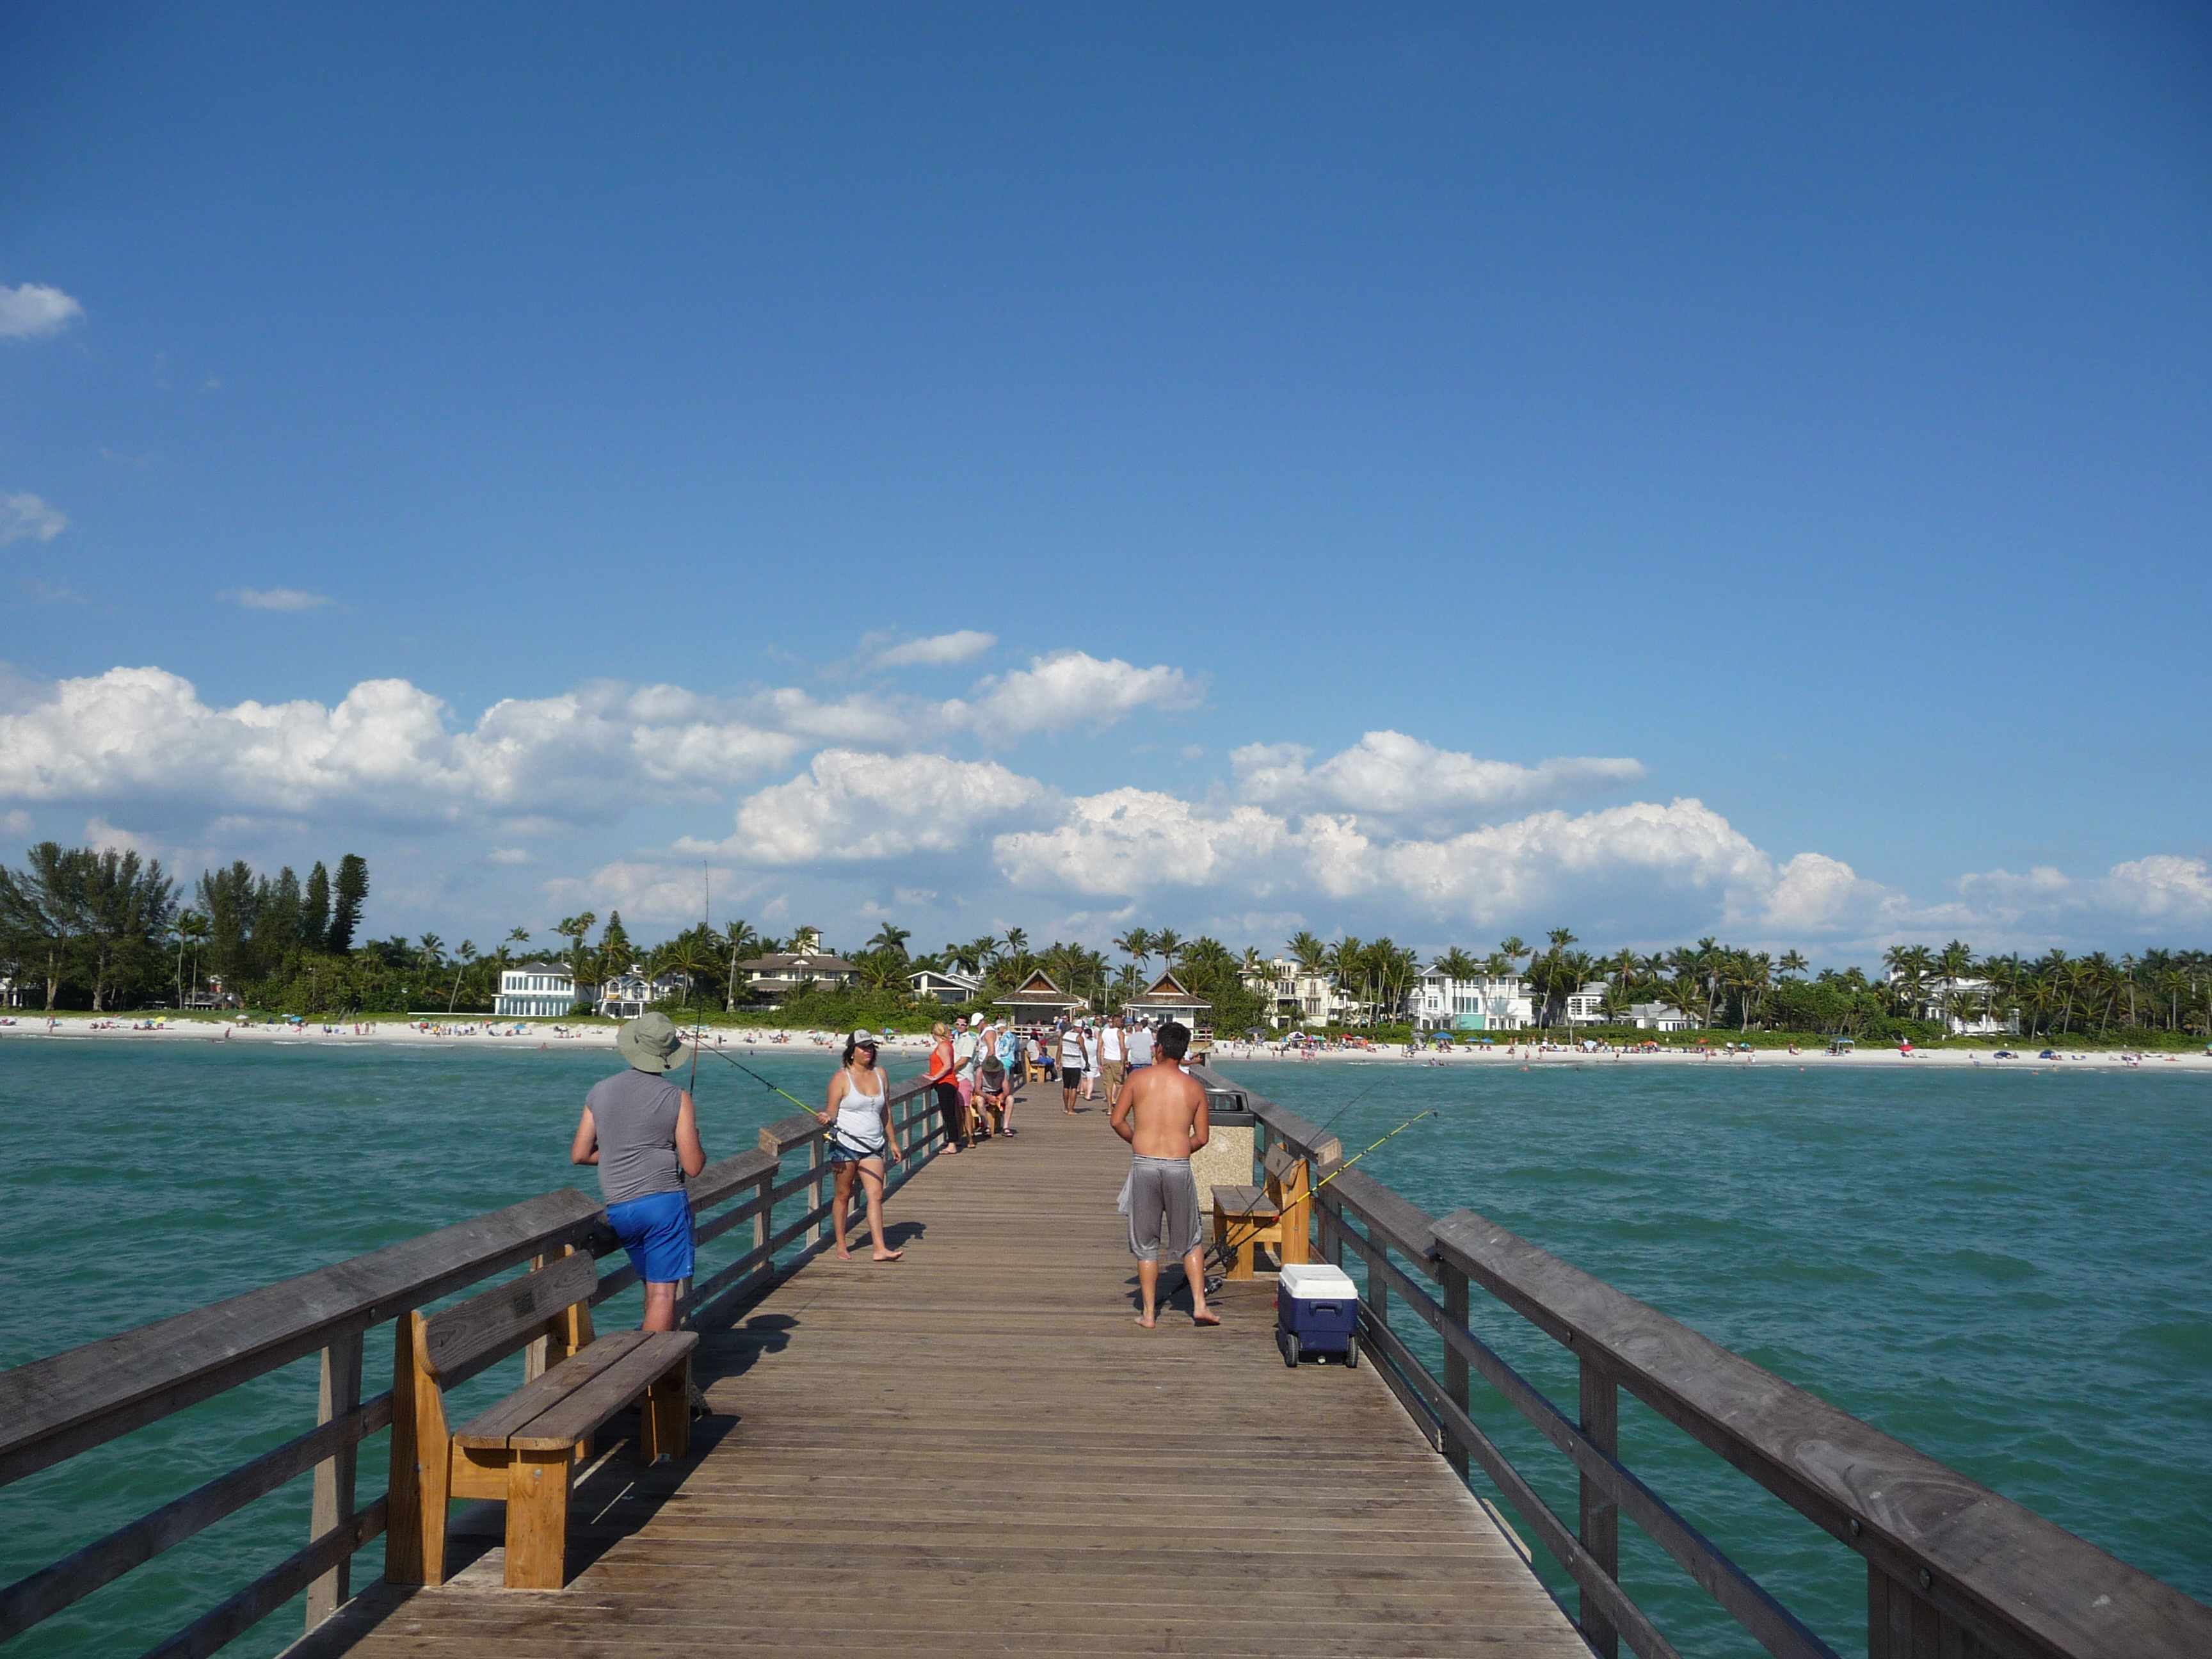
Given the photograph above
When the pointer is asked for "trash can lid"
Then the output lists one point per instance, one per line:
(1311, 1279)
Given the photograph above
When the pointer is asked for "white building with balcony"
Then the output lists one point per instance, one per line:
(1963, 1007)
(1488, 1003)
(1296, 995)
(535, 990)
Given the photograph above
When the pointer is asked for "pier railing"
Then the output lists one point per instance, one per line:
(62, 1406)
(1953, 1571)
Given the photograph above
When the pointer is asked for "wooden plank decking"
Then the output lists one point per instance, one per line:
(976, 1450)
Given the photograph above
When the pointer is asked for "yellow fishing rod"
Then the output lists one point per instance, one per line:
(1393, 1135)
(755, 1077)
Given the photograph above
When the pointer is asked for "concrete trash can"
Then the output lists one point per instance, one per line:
(1316, 1312)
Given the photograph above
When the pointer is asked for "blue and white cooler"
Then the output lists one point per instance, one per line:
(1316, 1312)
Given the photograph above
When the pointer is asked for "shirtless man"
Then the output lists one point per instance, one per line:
(1161, 1112)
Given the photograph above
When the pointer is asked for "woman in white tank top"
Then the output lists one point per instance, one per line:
(861, 1141)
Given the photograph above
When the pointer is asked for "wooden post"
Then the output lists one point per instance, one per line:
(535, 1363)
(334, 1476)
(765, 1222)
(1902, 1624)
(1600, 1519)
(814, 1167)
(1455, 1290)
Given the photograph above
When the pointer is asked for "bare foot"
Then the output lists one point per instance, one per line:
(1206, 1317)
(888, 1256)
(844, 1255)
(1145, 1320)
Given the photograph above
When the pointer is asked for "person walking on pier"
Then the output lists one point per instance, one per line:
(1162, 1114)
(643, 1131)
(1113, 1058)
(861, 1142)
(1074, 1060)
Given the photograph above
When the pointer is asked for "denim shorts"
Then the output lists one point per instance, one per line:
(656, 1231)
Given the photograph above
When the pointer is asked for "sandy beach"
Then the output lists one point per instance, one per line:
(512, 1034)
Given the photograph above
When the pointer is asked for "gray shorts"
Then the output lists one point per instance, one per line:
(1162, 1186)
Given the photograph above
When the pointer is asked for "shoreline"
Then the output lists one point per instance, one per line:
(484, 1032)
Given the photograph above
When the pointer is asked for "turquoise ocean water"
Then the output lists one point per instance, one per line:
(2012, 1272)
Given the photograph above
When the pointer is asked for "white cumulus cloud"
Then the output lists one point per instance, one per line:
(643, 892)
(850, 805)
(25, 517)
(1134, 840)
(34, 309)
(1071, 688)
(1389, 775)
(936, 650)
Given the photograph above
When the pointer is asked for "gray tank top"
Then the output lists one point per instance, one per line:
(635, 1116)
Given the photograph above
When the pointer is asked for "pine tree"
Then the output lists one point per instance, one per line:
(351, 889)
(315, 909)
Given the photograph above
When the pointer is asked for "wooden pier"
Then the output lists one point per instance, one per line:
(976, 1450)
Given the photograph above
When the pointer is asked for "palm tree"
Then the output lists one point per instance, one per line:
(1136, 944)
(1346, 960)
(467, 954)
(1793, 961)
(1513, 946)
(891, 939)
(1018, 948)
(433, 950)
(737, 939)
(1308, 950)
(689, 957)
(1167, 943)
(1456, 964)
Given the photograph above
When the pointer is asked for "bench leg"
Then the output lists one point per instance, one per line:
(537, 1520)
(665, 1422)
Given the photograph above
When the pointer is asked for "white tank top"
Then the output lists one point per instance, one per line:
(860, 1117)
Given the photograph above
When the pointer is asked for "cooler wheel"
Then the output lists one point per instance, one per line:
(1351, 1353)
(1290, 1352)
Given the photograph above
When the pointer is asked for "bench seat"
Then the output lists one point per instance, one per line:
(571, 1402)
(524, 1449)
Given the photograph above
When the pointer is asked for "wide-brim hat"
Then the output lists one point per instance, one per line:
(649, 1042)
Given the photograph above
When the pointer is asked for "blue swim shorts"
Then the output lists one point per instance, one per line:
(656, 1231)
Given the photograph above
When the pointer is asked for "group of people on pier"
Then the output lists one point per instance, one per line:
(642, 1130)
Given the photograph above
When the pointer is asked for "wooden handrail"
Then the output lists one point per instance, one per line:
(53, 1408)
(2020, 1582)
(1973, 1562)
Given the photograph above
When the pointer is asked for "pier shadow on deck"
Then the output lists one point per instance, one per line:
(977, 1450)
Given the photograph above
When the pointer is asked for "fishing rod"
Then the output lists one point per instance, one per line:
(1393, 1135)
(754, 1076)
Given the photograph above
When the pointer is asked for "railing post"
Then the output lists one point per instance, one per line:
(1600, 1519)
(815, 1231)
(1455, 1289)
(1901, 1624)
(334, 1477)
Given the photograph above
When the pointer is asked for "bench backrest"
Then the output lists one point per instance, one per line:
(460, 1341)
(1279, 1161)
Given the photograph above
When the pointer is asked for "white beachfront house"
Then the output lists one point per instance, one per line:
(535, 990)
(1587, 1005)
(1296, 995)
(1964, 1005)
(776, 975)
(625, 996)
(1488, 1003)
(1293, 994)
(1658, 1017)
(943, 985)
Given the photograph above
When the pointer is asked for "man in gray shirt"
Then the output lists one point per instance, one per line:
(643, 1133)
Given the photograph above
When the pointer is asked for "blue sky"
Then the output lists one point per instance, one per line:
(1744, 472)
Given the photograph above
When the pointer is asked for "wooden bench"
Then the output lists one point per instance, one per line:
(523, 1449)
(1245, 1218)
